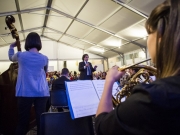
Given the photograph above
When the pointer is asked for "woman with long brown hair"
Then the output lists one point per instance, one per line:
(152, 108)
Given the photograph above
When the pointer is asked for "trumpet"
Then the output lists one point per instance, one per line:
(127, 82)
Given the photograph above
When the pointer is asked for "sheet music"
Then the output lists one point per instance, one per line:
(83, 98)
(153, 78)
(99, 86)
(115, 92)
(86, 110)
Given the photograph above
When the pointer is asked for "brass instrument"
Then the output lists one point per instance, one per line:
(127, 82)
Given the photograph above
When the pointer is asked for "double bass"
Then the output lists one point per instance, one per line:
(8, 101)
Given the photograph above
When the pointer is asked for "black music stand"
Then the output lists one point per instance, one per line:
(60, 123)
(58, 99)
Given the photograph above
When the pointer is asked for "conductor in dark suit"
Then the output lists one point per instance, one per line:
(59, 84)
(86, 69)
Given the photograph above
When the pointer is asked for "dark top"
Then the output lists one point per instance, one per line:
(83, 71)
(59, 84)
(152, 109)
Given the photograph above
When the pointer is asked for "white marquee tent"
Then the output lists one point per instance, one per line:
(104, 29)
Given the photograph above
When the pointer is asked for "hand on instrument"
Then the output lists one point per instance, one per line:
(13, 45)
(114, 75)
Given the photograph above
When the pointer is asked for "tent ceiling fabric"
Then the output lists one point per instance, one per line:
(92, 25)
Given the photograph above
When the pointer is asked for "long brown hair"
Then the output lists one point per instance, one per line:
(165, 20)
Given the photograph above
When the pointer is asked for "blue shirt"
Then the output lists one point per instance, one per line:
(31, 80)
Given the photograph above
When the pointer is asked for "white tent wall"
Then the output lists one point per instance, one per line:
(106, 65)
(52, 66)
(4, 60)
(69, 53)
(4, 53)
(49, 48)
(138, 55)
(57, 53)
(4, 66)
(99, 64)
(135, 57)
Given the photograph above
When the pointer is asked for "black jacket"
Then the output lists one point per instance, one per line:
(59, 84)
(152, 109)
(83, 72)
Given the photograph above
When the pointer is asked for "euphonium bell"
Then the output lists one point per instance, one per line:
(128, 81)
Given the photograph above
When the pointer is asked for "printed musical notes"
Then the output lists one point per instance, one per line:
(84, 96)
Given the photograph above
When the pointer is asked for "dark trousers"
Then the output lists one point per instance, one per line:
(24, 107)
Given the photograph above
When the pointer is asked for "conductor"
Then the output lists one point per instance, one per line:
(86, 68)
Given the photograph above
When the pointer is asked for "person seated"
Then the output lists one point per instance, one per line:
(96, 76)
(103, 76)
(151, 109)
(75, 76)
(59, 84)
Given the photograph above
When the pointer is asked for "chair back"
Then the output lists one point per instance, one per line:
(61, 124)
(58, 98)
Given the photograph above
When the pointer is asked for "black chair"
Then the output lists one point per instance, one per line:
(60, 123)
(58, 99)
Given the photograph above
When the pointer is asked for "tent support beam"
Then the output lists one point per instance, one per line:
(73, 46)
(130, 8)
(93, 26)
(23, 11)
(73, 19)
(19, 16)
(47, 15)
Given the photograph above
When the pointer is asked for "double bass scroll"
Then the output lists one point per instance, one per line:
(9, 22)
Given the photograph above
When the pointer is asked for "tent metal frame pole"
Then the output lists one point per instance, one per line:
(23, 11)
(19, 16)
(72, 46)
(82, 40)
(130, 8)
(49, 8)
(49, 3)
(107, 63)
(103, 65)
(69, 16)
(73, 19)
(93, 26)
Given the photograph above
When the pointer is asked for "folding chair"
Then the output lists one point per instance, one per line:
(58, 98)
(60, 123)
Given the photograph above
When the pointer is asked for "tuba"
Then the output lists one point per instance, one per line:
(127, 82)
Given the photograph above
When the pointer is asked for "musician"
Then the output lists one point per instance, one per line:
(86, 69)
(152, 109)
(59, 84)
(31, 87)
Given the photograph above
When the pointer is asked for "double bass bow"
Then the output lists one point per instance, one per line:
(9, 22)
